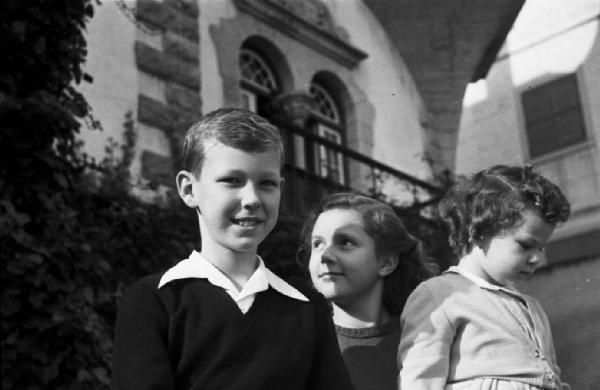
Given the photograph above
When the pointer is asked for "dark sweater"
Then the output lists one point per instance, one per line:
(190, 334)
(370, 354)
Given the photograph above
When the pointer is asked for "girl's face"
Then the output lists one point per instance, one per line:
(343, 263)
(514, 253)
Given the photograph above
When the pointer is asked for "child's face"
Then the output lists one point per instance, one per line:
(238, 195)
(343, 263)
(514, 253)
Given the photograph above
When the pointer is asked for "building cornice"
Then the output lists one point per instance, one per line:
(303, 31)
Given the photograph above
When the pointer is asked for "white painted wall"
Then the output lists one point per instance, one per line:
(398, 135)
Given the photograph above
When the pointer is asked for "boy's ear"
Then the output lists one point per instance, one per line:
(388, 264)
(281, 183)
(185, 187)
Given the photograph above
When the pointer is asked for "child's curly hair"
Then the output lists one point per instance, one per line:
(390, 236)
(494, 199)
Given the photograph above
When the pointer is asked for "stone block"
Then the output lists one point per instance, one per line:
(154, 113)
(169, 18)
(190, 7)
(182, 98)
(168, 67)
(179, 47)
(168, 118)
(158, 168)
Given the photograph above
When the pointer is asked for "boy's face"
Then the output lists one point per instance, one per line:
(237, 194)
(514, 253)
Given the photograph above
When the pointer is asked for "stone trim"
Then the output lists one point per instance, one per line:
(179, 47)
(177, 65)
(168, 118)
(165, 66)
(153, 113)
(168, 17)
(157, 168)
(189, 7)
(296, 27)
(182, 98)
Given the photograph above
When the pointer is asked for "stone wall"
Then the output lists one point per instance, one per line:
(175, 66)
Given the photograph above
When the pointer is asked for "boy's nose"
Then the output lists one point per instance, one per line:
(250, 199)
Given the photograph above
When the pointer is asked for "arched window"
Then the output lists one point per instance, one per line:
(328, 124)
(258, 81)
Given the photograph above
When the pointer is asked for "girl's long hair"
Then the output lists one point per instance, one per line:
(390, 236)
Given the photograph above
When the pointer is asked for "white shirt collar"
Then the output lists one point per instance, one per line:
(197, 266)
(480, 281)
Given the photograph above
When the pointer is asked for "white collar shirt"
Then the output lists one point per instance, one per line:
(196, 266)
(482, 282)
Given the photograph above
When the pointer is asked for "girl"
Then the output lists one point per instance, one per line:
(363, 260)
(470, 328)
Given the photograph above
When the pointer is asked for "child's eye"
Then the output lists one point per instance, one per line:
(230, 180)
(316, 244)
(524, 245)
(344, 242)
(270, 183)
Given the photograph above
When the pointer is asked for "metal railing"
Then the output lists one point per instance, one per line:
(316, 166)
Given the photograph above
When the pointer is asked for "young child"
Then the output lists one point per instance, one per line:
(364, 261)
(220, 319)
(469, 328)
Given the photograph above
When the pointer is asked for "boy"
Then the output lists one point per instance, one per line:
(220, 319)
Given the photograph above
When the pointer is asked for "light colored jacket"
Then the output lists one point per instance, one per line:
(456, 328)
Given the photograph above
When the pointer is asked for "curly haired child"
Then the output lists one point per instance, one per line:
(470, 328)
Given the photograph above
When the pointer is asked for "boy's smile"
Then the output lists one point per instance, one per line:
(237, 195)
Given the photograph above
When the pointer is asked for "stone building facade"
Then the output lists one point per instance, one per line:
(379, 82)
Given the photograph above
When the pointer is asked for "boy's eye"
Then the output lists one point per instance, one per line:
(230, 180)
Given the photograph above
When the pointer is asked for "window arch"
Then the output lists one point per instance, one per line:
(258, 81)
(324, 104)
(328, 123)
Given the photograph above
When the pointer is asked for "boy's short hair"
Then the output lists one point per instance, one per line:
(494, 199)
(234, 127)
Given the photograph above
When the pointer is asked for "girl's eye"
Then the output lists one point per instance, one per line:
(524, 245)
(270, 183)
(316, 244)
(346, 242)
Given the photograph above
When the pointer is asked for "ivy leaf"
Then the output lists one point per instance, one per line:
(39, 46)
(88, 293)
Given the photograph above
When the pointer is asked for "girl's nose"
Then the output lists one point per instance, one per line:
(250, 199)
(328, 256)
